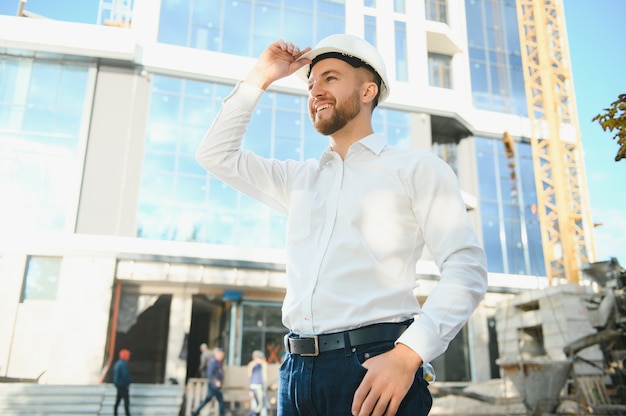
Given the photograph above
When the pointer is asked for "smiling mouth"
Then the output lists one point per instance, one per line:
(322, 107)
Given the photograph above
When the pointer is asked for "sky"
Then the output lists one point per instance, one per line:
(595, 35)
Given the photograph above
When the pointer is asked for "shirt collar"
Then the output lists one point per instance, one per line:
(375, 142)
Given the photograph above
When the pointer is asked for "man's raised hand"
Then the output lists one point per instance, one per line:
(277, 61)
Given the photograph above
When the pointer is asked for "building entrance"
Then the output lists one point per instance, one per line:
(143, 328)
(206, 313)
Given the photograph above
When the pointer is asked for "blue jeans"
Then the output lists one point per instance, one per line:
(325, 385)
(212, 391)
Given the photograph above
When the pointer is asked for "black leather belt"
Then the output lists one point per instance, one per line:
(313, 345)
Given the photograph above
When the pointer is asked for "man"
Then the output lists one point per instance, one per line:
(257, 375)
(358, 221)
(121, 380)
(215, 378)
(205, 358)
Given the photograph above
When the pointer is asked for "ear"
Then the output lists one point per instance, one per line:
(370, 90)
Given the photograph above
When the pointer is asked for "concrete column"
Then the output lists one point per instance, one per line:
(421, 131)
(468, 179)
(112, 174)
(81, 320)
(478, 338)
(12, 267)
(180, 322)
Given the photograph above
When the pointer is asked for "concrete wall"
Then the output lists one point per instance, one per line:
(81, 320)
(540, 323)
(478, 339)
(180, 322)
(62, 340)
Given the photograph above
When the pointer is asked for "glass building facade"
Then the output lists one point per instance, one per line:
(44, 104)
(495, 56)
(246, 27)
(510, 226)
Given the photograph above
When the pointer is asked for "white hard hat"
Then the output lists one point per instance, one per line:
(350, 46)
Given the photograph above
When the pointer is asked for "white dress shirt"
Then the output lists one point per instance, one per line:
(356, 229)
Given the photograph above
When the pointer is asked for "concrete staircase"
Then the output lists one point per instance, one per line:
(31, 399)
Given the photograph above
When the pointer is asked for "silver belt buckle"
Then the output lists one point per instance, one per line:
(316, 344)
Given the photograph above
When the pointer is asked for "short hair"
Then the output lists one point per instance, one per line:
(355, 63)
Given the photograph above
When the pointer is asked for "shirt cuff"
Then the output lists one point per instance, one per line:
(247, 93)
(421, 339)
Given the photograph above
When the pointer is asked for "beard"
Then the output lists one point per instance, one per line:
(342, 114)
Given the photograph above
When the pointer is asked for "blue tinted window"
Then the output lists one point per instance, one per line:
(187, 164)
(189, 189)
(495, 62)
(509, 223)
(402, 66)
(331, 7)
(234, 36)
(178, 199)
(42, 277)
(42, 112)
(399, 6)
(437, 10)
(267, 23)
(370, 29)
(439, 70)
(299, 26)
(287, 148)
(288, 125)
(480, 80)
(314, 143)
(395, 125)
(174, 23)
(493, 245)
(327, 25)
(245, 27)
(535, 248)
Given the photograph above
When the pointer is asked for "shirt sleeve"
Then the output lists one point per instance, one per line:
(449, 236)
(221, 154)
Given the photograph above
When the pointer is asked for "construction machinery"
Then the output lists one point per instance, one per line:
(607, 314)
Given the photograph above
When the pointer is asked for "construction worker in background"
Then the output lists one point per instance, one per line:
(205, 358)
(257, 375)
(121, 380)
(215, 378)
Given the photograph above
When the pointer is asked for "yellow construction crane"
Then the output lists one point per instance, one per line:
(562, 199)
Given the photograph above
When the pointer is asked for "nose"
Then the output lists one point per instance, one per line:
(315, 91)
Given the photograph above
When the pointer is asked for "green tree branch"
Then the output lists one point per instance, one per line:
(614, 118)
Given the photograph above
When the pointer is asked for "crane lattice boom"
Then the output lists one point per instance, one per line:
(563, 207)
